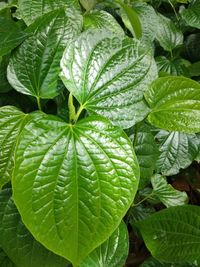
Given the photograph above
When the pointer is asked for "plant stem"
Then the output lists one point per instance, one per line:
(81, 108)
(39, 104)
(72, 111)
(141, 201)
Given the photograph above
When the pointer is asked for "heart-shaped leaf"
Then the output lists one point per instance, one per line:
(18, 243)
(34, 67)
(73, 183)
(113, 252)
(191, 14)
(175, 104)
(108, 75)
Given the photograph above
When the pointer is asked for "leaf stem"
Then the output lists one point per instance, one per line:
(73, 115)
(39, 104)
(141, 201)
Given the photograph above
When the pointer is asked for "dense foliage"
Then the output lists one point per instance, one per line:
(99, 122)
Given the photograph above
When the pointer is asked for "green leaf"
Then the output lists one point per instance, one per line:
(192, 46)
(4, 260)
(194, 69)
(168, 195)
(30, 10)
(101, 19)
(108, 75)
(175, 67)
(113, 252)
(173, 234)
(34, 67)
(146, 151)
(177, 151)
(131, 19)
(4, 85)
(191, 14)
(77, 181)
(175, 104)
(18, 243)
(11, 35)
(12, 121)
(148, 19)
(88, 4)
(139, 213)
(167, 34)
(151, 262)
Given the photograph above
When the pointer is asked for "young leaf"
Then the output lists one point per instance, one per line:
(73, 183)
(175, 67)
(88, 4)
(30, 10)
(166, 193)
(175, 104)
(113, 252)
(18, 243)
(173, 234)
(12, 120)
(191, 14)
(10, 34)
(131, 19)
(101, 19)
(146, 151)
(177, 151)
(108, 75)
(167, 34)
(34, 67)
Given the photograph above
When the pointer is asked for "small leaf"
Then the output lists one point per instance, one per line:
(18, 243)
(175, 104)
(34, 67)
(30, 10)
(191, 14)
(88, 4)
(11, 34)
(146, 151)
(168, 195)
(77, 181)
(177, 151)
(175, 67)
(167, 34)
(113, 252)
(101, 19)
(108, 75)
(173, 235)
(133, 18)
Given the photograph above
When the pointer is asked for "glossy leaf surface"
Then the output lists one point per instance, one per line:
(175, 104)
(177, 151)
(146, 151)
(82, 179)
(191, 14)
(12, 121)
(167, 34)
(168, 195)
(34, 67)
(18, 243)
(30, 10)
(173, 234)
(108, 75)
(112, 253)
(101, 19)
(10, 34)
